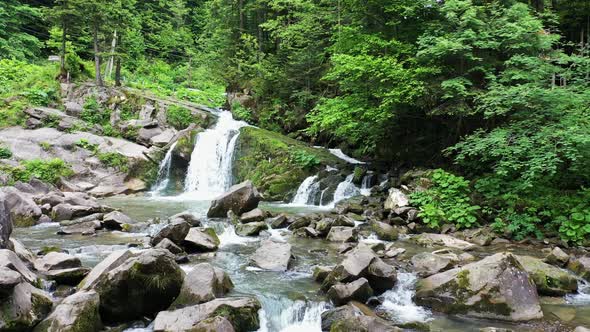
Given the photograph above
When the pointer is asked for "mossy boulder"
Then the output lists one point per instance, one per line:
(549, 279)
(76, 313)
(580, 266)
(24, 308)
(277, 164)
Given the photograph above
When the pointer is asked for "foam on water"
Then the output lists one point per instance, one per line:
(398, 301)
(583, 295)
(229, 237)
(284, 315)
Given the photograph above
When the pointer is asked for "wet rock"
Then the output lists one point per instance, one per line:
(581, 329)
(8, 280)
(24, 308)
(242, 312)
(339, 313)
(10, 260)
(280, 221)
(354, 266)
(76, 313)
(307, 232)
(142, 285)
(202, 284)
(5, 223)
(324, 225)
(175, 230)
(396, 199)
(557, 257)
(343, 220)
(300, 222)
(252, 216)
(65, 211)
(251, 229)
(381, 276)
(430, 240)
(358, 290)
(83, 228)
(170, 246)
(494, 329)
(496, 287)
(240, 198)
(391, 252)
(342, 234)
(188, 217)
(201, 239)
(427, 264)
(384, 231)
(549, 280)
(25, 255)
(105, 266)
(580, 266)
(115, 220)
(273, 256)
(23, 209)
(321, 272)
(57, 261)
(364, 323)
(71, 276)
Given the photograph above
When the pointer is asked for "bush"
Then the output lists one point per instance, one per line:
(179, 117)
(85, 144)
(5, 153)
(446, 201)
(45, 170)
(92, 113)
(241, 113)
(114, 160)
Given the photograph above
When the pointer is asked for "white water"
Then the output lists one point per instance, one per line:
(398, 301)
(210, 170)
(338, 153)
(284, 315)
(229, 237)
(345, 189)
(366, 185)
(306, 192)
(583, 295)
(164, 172)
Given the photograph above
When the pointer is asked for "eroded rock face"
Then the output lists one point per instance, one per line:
(273, 256)
(5, 223)
(496, 287)
(241, 312)
(76, 313)
(204, 283)
(240, 198)
(24, 308)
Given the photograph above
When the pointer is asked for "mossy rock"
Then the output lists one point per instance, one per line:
(23, 221)
(270, 161)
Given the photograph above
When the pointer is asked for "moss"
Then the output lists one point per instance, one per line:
(463, 279)
(47, 249)
(211, 232)
(23, 221)
(243, 319)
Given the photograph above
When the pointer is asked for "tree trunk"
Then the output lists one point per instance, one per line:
(62, 61)
(99, 81)
(118, 64)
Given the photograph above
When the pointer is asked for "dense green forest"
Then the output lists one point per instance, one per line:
(494, 91)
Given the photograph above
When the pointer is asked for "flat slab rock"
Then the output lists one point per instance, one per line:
(273, 256)
(431, 239)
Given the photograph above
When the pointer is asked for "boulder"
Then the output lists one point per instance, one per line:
(364, 323)
(163, 138)
(25, 255)
(9, 260)
(141, 286)
(188, 217)
(66, 211)
(241, 312)
(57, 261)
(76, 313)
(384, 231)
(71, 276)
(23, 209)
(557, 257)
(321, 272)
(175, 230)
(358, 290)
(342, 234)
(105, 266)
(82, 228)
(252, 216)
(8, 280)
(354, 266)
(396, 199)
(273, 256)
(115, 220)
(201, 239)
(280, 221)
(497, 287)
(5, 223)
(240, 198)
(580, 266)
(203, 284)
(549, 279)
(343, 220)
(330, 316)
(170, 246)
(427, 264)
(431, 240)
(299, 222)
(308, 232)
(24, 308)
(382, 276)
(251, 229)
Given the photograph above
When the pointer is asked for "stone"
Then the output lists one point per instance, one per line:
(175, 230)
(252, 216)
(5, 223)
(384, 231)
(343, 220)
(549, 279)
(188, 217)
(115, 220)
(9, 260)
(142, 285)
(242, 313)
(339, 313)
(163, 138)
(358, 290)
(557, 257)
(396, 199)
(307, 232)
(273, 256)
(394, 252)
(201, 239)
(321, 272)
(354, 266)
(83, 228)
(105, 266)
(23, 209)
(497, 287)
(382, 277)
(280, 221)
(204, 283)
(580, 266)
(251, 229)
(8, 280)
(427, 264)
(342, 234)
(364, 323)
(66, 211)
(240, 198)
(73, 108)
(581, 329)
(76, 313)
(70, 276)
(430, 240)
(57, 261)
(24, 308)
(170, 246)
(299, 222)
(25, 255)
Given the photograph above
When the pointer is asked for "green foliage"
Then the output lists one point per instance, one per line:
(241, 113)
(576, 228)
(446, 201)
(179, 117)
(92, 112)
(305, 159)
(114, 160)
(46, 146)
(85, 144)
(5, 153)
(16, 39)
(45, 170)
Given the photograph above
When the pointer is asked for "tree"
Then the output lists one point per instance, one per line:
(16, 40)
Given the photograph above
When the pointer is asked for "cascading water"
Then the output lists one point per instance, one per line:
(338, 153)
(284, 315)
(345, 189)
(583, 295)
(164, 172)
(307, 191)
(210, 170)
(366, 185)
(398, 303)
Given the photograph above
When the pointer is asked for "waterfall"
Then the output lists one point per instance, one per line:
(163, 172)
(338, 153)
(210, 170)
(345, 189)
(307, 191)
(366, 185)
(398, 301)
(284, 315)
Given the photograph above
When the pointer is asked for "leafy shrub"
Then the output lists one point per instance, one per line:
(85, 144)
(114, 160)
(45, 170)
(179, 117)
(241, 113)
(5, 153)
(576, 228)
(305, 159)
(92, 113)
(447, 200)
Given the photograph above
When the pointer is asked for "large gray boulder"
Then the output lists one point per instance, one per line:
(252, 216)
(251, 228)
(204, 283)
(427, 264)
(76, 313)
(142, 285)
(201, 239)
(175, 230)
(273, 256)
(497, 287)
(240, 198)
(57, 261)
(5, 223)
(358, 290)
(8, 280)
(115, 220)
(342, 234)
(105, 266)
(242, 312)
(24, 308)
(396, 199)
